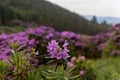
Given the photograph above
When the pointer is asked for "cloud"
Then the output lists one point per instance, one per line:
(91, 7)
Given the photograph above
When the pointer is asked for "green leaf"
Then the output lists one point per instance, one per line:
(68, 71)
(50, 61)
(66, 78)
(74, 77)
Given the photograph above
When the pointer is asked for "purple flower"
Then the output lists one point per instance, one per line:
(70, 64)
(4, 57)
(82, 57)
(100, 47)
(82, 72)
(68, 34)
(55, 51)
(73, 59)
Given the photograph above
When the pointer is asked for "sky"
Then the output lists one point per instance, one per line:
(91, 7)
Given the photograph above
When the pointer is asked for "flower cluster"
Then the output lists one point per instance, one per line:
(56, 51)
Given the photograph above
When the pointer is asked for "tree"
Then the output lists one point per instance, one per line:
(104, 22)
(94, 19)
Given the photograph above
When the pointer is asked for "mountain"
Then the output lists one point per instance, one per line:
(42, 12)
(109, 20)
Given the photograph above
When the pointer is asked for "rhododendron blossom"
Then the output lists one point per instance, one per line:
(56, 51)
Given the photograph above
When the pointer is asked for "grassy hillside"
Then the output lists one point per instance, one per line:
(41, 12)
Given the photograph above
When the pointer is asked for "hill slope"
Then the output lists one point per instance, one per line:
(43, 12)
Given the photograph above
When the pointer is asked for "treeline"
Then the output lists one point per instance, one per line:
(41, 12)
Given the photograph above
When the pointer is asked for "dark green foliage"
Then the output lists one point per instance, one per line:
(42, 12)
(3, 69)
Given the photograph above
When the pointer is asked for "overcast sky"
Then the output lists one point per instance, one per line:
(91, 7)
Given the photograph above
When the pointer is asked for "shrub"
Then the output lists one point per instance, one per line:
(84, 68)
(108, 49)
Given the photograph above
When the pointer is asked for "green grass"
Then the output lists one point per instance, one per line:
(107, 69)
(12, 29)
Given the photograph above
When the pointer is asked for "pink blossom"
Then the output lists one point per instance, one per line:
(55, 51)
(82, 72)
(82, 57)
(70, 64)
(73, 59)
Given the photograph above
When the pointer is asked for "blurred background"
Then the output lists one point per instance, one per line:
(80, 16)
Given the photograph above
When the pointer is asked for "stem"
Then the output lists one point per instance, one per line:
(56, 66)
(74, 77)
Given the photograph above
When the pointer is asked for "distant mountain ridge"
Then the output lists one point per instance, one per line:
(110, 20)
